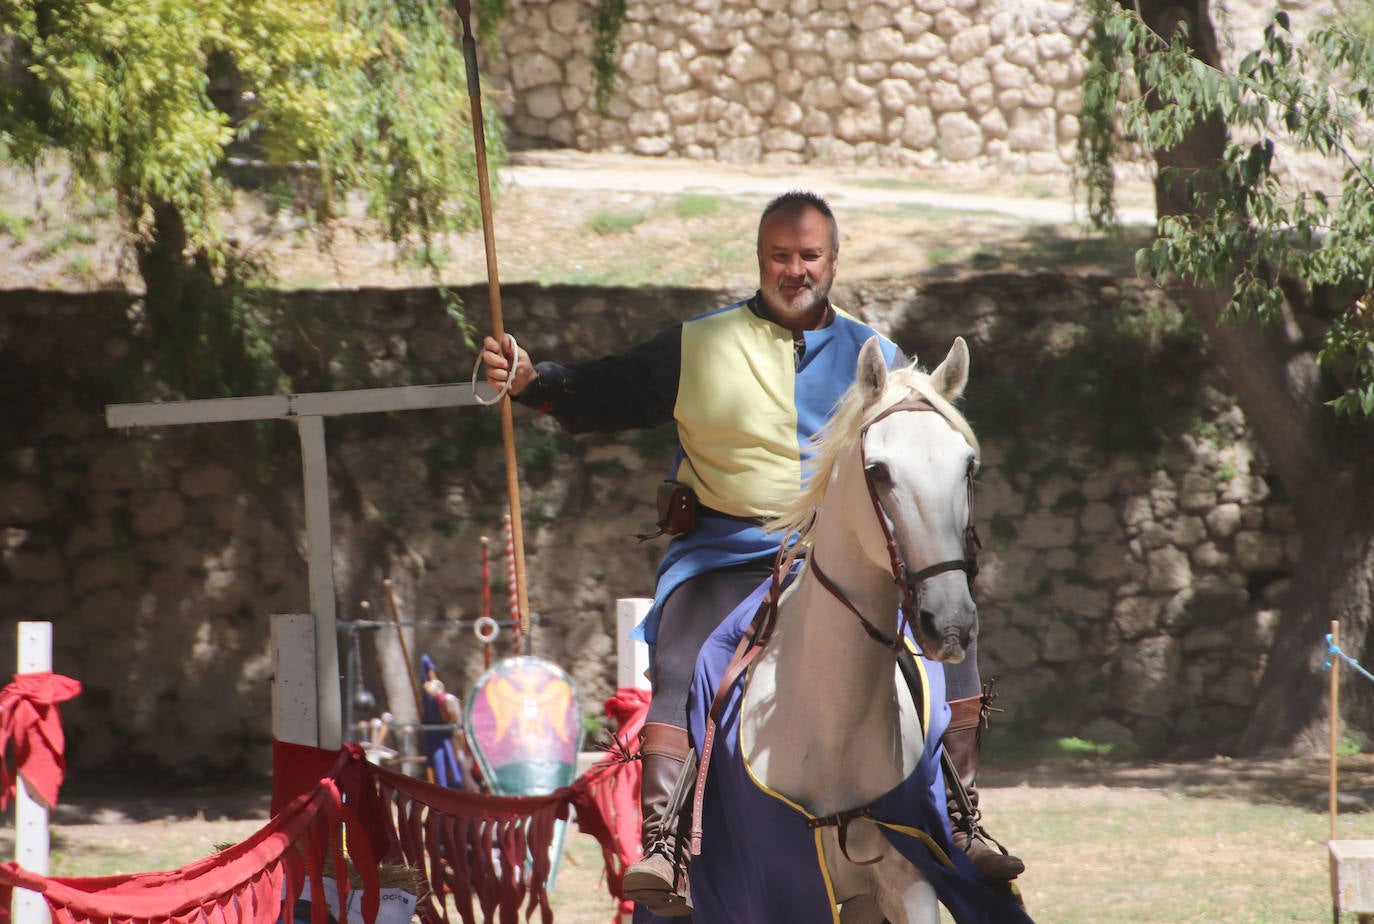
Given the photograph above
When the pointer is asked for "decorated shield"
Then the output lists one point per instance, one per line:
(524, 726)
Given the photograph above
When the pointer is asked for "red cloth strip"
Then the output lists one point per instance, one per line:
(29, 719)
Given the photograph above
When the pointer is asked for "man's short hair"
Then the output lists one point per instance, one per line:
(795, 201)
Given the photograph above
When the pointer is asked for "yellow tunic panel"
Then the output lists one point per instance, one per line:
(737, 417)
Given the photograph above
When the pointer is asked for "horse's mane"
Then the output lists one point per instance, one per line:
(841, 433)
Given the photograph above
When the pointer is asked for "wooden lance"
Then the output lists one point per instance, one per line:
(498, 330)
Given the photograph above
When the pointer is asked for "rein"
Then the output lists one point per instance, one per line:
(761, 631)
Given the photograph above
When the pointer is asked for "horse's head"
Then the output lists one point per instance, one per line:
(888, 492)
(918, 458)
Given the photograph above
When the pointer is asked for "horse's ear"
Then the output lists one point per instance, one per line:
(950, 377)
(872, 372)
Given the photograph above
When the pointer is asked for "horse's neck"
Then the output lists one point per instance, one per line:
(822, 716)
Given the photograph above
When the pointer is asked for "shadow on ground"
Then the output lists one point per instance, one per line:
(1046, 247)
(1297, 782)
(124, 801)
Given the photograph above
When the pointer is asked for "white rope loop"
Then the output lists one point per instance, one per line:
(485, 628)
(515, 351)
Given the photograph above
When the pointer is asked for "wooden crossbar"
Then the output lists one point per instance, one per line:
(316, 404)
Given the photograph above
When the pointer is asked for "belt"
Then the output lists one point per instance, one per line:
(704, 511)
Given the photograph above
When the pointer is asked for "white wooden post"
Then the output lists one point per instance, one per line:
(308, 411)
(31, 840)
(295, 686)
(632, 655)
(320, 548)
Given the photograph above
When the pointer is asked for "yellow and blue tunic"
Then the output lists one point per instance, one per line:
(746, 397)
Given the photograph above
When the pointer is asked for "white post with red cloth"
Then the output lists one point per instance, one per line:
(31, 836)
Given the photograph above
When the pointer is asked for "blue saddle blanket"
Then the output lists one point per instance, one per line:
(760, 863)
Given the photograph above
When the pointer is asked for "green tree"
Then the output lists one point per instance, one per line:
(165, 103)
(169, 103)
(1280, 277)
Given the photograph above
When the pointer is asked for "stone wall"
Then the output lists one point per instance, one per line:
(802, 81)
(900, 82)
(1133, 549)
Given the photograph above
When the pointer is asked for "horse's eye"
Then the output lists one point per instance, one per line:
(878, 474)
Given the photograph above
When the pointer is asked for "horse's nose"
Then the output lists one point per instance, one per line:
(948, 642)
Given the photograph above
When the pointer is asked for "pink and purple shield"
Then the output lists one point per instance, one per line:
(524, 725)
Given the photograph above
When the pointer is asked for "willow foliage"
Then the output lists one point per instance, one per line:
(1251, 226)
(154, 100)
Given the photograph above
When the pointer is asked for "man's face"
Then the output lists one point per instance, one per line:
(797, 262)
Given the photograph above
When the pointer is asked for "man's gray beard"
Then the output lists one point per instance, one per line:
(814, 299)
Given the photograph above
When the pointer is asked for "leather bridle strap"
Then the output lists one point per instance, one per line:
(894, 554)
(878, 635)
(906, 582)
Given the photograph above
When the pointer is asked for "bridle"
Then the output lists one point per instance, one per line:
(907, 582)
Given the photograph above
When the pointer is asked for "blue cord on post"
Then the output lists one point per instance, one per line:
(1333, 651)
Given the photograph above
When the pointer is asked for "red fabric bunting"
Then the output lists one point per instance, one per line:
(473, 848)
(29, 719)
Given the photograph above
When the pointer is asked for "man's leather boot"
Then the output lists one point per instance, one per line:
(658, 881)
(962, 741)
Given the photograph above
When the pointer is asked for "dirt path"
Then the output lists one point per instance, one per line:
(563, 216)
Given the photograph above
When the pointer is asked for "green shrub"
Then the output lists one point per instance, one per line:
(14, 226)
(607, 223)
(695, 205)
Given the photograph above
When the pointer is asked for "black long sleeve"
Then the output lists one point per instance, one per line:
(636, 389)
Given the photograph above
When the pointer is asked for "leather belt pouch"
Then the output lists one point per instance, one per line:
(677, 509)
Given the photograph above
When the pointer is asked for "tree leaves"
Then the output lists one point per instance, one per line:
(157, 101)
(1254, 225)
(353, 95)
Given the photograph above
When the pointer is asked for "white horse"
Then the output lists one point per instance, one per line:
(825, 722)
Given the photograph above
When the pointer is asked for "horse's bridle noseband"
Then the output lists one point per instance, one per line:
(907, 582)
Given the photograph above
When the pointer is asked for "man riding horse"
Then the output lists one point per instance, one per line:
(748, 385)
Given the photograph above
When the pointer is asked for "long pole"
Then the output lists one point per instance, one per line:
(498, 331)
(411, 666)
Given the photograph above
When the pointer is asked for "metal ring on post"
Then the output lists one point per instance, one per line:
(485, 628)
(515, 349)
